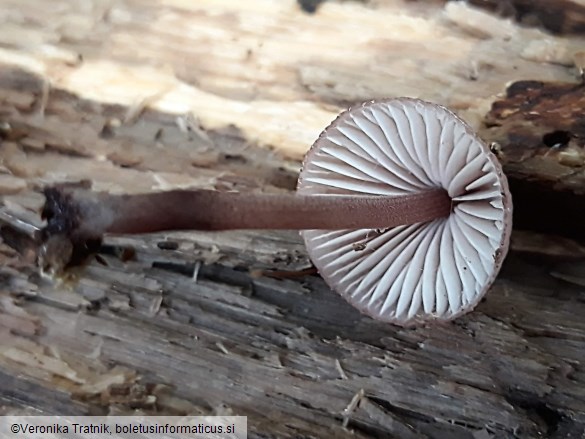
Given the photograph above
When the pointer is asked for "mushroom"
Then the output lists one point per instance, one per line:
(404, 210)
(434, 270)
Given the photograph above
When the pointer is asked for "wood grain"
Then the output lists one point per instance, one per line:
(173, 94)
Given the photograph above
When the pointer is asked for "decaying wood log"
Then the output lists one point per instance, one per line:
(189, 311)
(540, 131)
(563, 16)
(142, 96)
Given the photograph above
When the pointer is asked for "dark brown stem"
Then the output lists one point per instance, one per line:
(93, 214)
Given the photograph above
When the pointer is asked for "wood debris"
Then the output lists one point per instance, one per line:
(239, 110)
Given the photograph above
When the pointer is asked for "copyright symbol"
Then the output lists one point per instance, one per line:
(14, 428)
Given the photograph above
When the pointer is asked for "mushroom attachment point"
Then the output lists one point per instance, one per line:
(427, 271)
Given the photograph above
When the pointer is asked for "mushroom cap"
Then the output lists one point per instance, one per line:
(415, 273)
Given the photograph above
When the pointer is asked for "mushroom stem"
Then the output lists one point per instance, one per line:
(90, 214)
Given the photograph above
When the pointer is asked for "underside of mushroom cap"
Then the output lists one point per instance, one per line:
(414, 273)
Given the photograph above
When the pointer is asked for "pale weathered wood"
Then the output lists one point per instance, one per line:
(227, 62)
(192, 323)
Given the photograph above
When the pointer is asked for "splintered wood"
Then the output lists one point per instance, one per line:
(140, 96)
